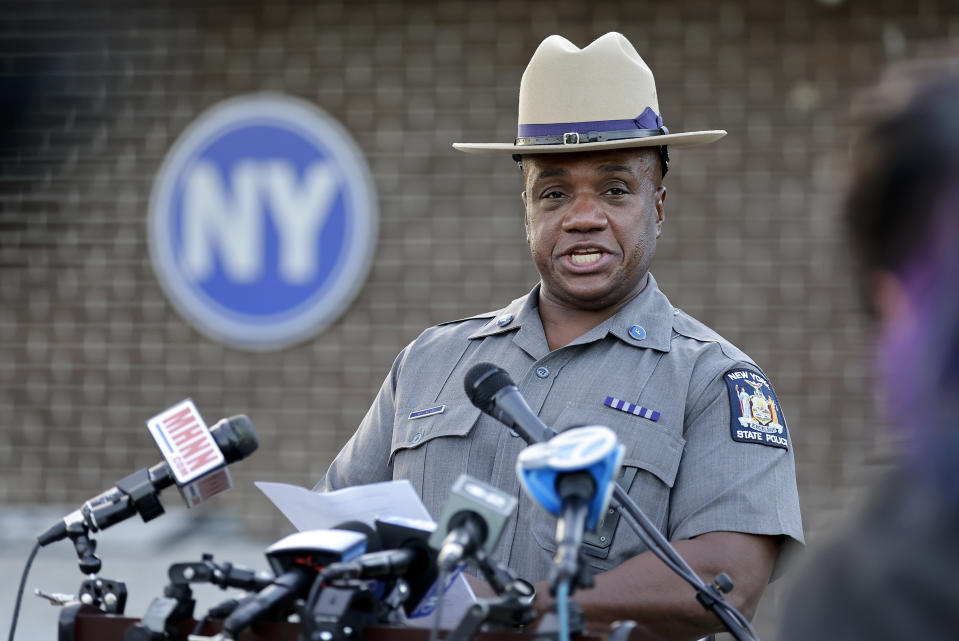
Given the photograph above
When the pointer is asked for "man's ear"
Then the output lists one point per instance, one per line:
(660, 209)
(525, 215)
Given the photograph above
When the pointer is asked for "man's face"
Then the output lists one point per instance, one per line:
(592, 220)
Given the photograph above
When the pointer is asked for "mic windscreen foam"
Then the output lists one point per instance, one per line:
(483, 381)
(236, 437)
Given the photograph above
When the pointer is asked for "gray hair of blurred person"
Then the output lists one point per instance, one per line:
(902, 216)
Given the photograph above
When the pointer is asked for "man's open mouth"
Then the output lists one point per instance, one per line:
(585, 256)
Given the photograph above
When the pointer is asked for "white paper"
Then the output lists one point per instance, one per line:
(309, 510)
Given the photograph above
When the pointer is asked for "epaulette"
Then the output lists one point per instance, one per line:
(689, 327)
(483, 316)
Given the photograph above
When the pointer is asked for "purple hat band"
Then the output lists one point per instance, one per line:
(649, 119)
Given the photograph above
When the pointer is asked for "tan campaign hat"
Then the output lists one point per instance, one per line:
(599, 97)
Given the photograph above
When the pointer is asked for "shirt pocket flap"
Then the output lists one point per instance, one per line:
(432, 421)
(648, 444)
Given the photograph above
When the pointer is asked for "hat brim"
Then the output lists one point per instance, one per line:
(685, 139)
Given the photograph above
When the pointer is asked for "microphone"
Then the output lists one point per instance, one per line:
(296, 560)
(472, 521)
(571, 475)
(373, 565)
(492, 390)
(402, 552)
(235, 438)
(410, 537)
(373, 541)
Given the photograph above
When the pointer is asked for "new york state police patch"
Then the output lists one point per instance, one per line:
(755, 412)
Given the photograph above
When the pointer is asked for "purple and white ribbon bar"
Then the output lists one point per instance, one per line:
(631, 408)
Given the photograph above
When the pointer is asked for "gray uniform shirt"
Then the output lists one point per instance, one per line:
(684, 469)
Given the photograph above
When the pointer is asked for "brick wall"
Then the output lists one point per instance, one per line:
(94, 95)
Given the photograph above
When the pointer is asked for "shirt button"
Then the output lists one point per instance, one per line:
(513, 433)
(637, 332)
(417, 437)
(542, 372)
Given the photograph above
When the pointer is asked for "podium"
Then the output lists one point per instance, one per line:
(80, 622)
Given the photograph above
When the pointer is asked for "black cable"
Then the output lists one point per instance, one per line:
(659, 546)
(651, 544)
(690, 577)
(23, 583)
(627, 505)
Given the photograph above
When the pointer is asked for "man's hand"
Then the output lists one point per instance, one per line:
(663, 605)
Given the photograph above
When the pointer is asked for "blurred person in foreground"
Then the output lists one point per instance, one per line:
(892, 574)
(708, 455)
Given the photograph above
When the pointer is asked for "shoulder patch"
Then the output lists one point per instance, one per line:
(754, 410)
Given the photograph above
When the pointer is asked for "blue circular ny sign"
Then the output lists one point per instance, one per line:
(262, 221)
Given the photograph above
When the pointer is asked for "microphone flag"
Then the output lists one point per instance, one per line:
(190, 450)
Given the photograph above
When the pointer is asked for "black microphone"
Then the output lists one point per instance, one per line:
(398, 550)
(373, 541)
(413, 560)
(283, 590)
(492, 390)
(575, 490)
(296, 560)
(401, 547)
(373, 565)
(235, 437)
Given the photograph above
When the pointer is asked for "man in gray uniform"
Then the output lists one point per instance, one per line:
(707, 452)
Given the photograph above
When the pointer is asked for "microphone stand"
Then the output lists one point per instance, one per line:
(164, 614)
(105, 594)
(512, 606)
(569, 571)
(709, 596)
